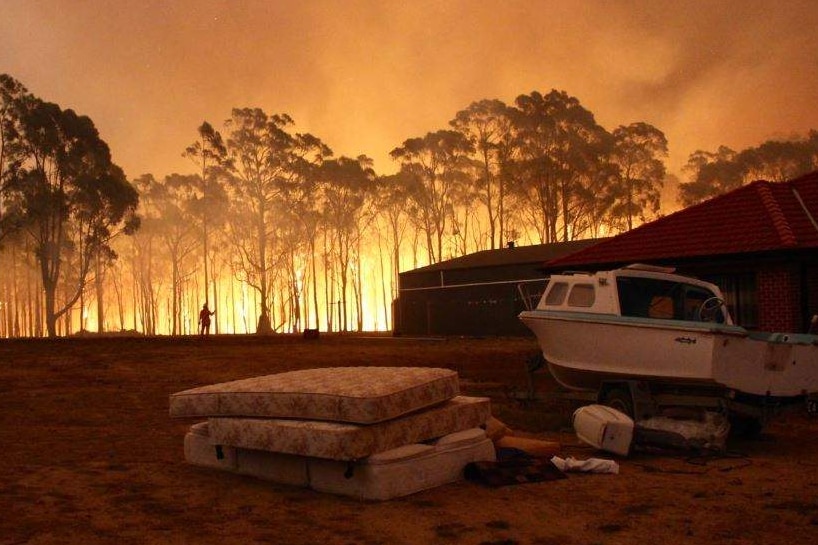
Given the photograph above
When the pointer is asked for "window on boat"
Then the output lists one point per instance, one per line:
(556, 295)
(646, 297)
(694, 298)
(661, 299)
(582, 295)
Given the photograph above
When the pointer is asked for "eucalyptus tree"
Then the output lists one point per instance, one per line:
(13, 99)
(557, 141)
(780, 160)
(265, 161)
(302, 226)
(712, 173)
(174, 220)
(301, 199)
(72, 197)
(148, 270)
(347, 187)
(465, 211)
(489, 128)
(393, 198)
(12, 96)
(595, 196)
(209, 154)
(293, 248)
(435, 163)
(638, 151)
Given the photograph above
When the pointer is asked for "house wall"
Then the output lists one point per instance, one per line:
(811, 285)
(779, 298)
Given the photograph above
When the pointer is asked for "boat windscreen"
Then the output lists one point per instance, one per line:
(661, 299)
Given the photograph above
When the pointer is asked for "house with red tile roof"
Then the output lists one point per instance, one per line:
(759, 243)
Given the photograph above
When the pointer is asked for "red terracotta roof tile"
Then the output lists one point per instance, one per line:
(759, 217)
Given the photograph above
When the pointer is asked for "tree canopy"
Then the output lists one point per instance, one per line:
(714, 173)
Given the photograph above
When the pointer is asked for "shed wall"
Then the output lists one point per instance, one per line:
(471, 309)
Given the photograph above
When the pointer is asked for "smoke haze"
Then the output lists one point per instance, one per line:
(365, 75)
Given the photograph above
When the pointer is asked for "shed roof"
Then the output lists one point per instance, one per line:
(759, 217)
(536, 254)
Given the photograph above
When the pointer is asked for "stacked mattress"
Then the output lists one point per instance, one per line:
(368, 432)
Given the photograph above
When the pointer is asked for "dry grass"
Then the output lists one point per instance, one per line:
(89, 455)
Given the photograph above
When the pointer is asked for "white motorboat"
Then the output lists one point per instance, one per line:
(647, 324)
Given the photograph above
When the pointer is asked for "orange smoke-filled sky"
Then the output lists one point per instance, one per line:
(364, 75)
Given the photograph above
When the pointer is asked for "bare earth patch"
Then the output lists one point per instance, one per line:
(89, 455)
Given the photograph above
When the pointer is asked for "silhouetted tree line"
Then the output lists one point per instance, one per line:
(278, 234)
(714, 173)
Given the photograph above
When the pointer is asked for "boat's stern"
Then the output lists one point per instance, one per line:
(773, 365)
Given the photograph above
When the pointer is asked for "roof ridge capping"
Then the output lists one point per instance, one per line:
(779, 220)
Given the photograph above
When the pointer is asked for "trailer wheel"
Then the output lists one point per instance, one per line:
(619, 399)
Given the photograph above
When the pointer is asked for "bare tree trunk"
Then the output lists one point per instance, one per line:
(31, 305)
(387, 323)
(328, 286)
(232, 314)
(98, 282)
(134, 288)
(50, 304)
(116, 280)
(215, 285)
(359, 305)
(264, 326)
(343, 263)
(5, 310)
(415, 242)
(315, 284)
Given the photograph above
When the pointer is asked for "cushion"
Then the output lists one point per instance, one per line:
(361, 395)
(344, 441)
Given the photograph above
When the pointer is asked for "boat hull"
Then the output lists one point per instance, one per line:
(584, 349)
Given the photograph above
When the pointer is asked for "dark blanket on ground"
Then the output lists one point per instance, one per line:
(513, 466)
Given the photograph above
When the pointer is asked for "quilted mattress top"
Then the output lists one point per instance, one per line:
(361, 395)
(341, 441)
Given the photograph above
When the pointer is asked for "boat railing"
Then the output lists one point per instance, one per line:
(529, 301)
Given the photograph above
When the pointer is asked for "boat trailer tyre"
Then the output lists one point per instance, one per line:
(619, 399)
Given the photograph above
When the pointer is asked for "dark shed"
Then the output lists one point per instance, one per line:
(477, 294)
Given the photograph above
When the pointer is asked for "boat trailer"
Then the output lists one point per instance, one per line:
(644, 399)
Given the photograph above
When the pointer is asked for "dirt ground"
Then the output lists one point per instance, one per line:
(88, 454)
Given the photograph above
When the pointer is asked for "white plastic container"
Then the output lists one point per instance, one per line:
(604, 428)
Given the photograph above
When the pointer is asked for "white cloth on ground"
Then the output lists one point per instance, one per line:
(591, 465)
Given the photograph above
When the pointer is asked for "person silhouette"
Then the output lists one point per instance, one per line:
(204, 320)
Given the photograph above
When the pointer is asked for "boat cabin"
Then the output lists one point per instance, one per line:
(638, 291)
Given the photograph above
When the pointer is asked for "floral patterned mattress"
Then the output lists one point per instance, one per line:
(392, 473)
(345, 441)
(360, 395)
